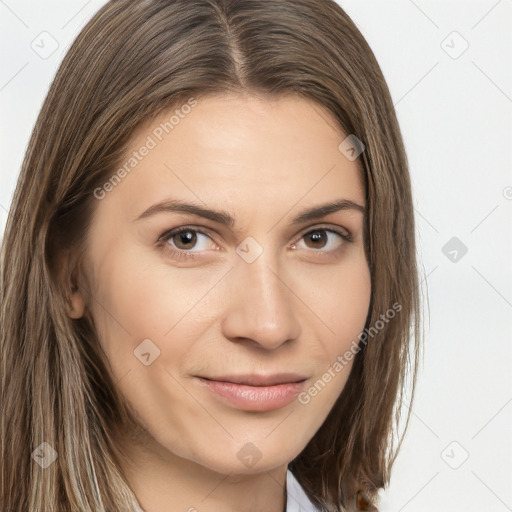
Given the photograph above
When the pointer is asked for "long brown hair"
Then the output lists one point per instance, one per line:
(133, 61)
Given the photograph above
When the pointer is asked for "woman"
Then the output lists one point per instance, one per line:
(208, 270)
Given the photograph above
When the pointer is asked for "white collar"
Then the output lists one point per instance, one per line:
(297, 500)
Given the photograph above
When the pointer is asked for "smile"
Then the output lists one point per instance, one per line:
(253, 393)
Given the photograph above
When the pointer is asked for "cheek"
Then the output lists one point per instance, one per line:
(354, 300)
(142, 298)
(140, 294)
(339, 295)
(343, 308)
(139, 298)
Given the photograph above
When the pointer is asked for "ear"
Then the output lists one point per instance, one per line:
(72, 287)
(77, 304)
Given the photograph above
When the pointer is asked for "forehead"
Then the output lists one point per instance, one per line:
(239, 148)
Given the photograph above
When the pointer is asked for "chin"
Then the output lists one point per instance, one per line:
(250, 455)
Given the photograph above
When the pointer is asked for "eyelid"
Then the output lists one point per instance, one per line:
(167, 235)
(185, 227)
(191, 255)
(342, 231)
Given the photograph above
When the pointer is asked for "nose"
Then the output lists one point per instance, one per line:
(260, 307)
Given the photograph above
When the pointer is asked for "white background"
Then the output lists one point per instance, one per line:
(455, 114)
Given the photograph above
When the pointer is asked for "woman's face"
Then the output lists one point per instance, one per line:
(226, 338)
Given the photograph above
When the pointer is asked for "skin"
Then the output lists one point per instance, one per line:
(295, 308)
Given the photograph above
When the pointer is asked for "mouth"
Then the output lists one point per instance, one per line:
(255, 392)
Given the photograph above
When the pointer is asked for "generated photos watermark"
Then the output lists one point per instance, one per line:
(152, 141)
(344, 359)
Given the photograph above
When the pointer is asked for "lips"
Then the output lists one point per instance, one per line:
(255, 392)
(260, 380)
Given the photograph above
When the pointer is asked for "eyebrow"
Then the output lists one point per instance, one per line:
(223, 217)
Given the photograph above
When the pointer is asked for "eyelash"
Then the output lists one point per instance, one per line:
(188, 255)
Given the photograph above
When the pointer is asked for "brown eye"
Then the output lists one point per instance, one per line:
(316, 239)
(324, 240)
(185, 240)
